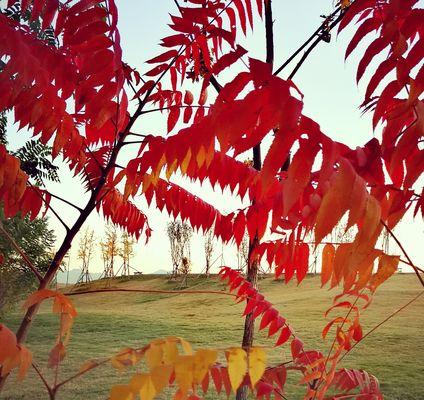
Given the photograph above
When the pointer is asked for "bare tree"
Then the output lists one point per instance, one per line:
(110, 249)
(126, 252)
(209, 248)
(179, 234)
(85, 252)
(243, 254)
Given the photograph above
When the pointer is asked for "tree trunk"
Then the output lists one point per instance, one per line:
(252, 266)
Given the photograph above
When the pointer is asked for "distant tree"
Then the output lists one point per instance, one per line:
(209, 247)
(110, 249)
(179, 234)
(126, 252)
(243, 254)
(36, 240)
(85, 252)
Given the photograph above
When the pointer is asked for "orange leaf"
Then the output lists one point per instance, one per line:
(327, 263)
(335, 201)
(387, 266)
(57, 354)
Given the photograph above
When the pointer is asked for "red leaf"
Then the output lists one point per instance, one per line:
(284, 336)
(163, 57)
(296, 347)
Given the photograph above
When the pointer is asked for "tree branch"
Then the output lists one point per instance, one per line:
(181, 106)
(403, 251)
(65, 201)
(51, 209)
(316, 33)
(43, 379)
(383, 322)
(313, 45)
(21, 252)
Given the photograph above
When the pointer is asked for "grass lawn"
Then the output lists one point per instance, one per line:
(108, 322)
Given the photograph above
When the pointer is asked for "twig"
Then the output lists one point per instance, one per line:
(411, 265)
(334, 342)
(21, 252)
(51, 208)
(137, 134)
(313, 45)
(43, 379)
(79, 373)
(293, 56)
(404, 252)
(134, 142)
(65, 201)
(382, 322)
(168, 108)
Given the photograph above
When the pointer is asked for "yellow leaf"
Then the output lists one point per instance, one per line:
(210, 154)
(186, 347)
(257, 364)
(344, 3)
(125, 358)
(87, 365)
(121, 392)
(186, 161)
(203, 359)
(170, 351)
(160, 376)
(143, 384)
(184, 368)
(237, 366)
(154, 355)
(171, 169)
(201, 156)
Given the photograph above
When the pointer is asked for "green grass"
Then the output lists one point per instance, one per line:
(108, 322)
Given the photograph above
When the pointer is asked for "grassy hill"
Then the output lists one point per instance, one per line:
(108, 322)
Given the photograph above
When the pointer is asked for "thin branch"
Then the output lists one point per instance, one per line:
(134, 142)
(313, 45)
(21, 252)
(404, 252)
(51, 209)
(82, 372)
(333, 344)
(65, 201)
(43, 379)
(383, 322)
(168, 108)
(101, 167)
(316, 33)
(411, 265)
(134, 90)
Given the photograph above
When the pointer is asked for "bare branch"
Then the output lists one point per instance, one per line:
(309, 40)
(65, 201)
(404, 252)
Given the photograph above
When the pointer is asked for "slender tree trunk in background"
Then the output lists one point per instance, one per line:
(252, 266)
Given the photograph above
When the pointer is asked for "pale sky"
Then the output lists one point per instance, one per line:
(331, 97)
